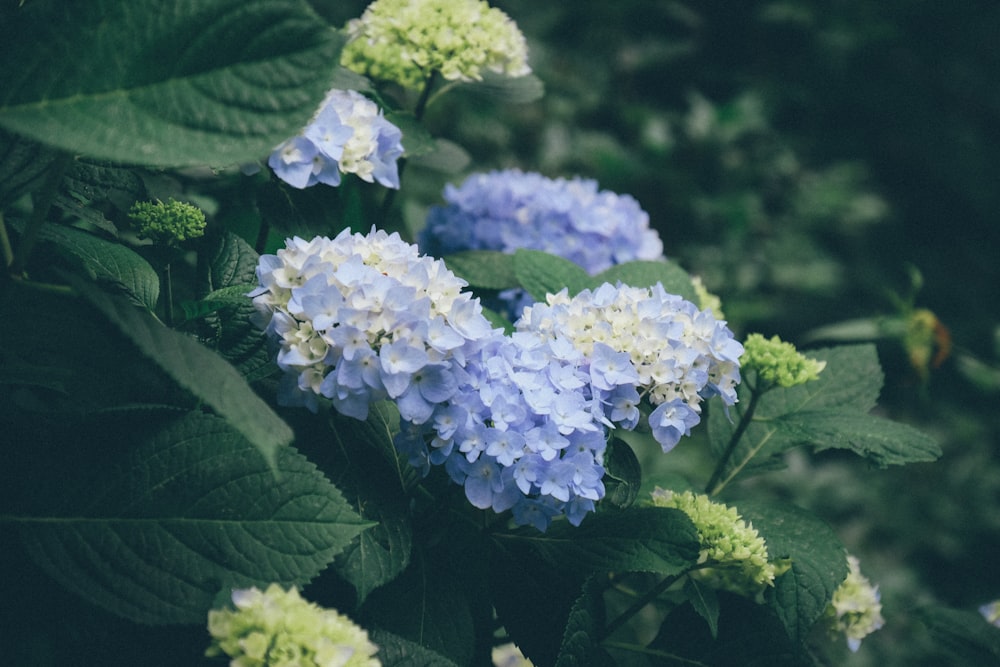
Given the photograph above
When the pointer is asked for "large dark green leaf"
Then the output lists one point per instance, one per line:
(639, 539)
(581, 638)
(394, 651)
(961, 637)
(831, 412)
(198, 370)
(164, 82)
(818, 563)
(191, 511)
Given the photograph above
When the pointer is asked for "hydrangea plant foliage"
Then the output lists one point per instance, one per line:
(261, 393)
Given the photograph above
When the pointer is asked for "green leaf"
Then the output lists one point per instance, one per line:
(639, 539)
(828, 412)
(486, 269)
(705, 602)
(394, 651)
(541, 273)
(511, 90)
(961, 637)
(165, 83)
(623, 474)
(881, 441)
(446, 157)
(581, 638)
(23, 166)
(818, 563)
(365, 468)
(198, 370)
(674, 279)
(427, 606)
(190, 512)
(234, 296)
(106, 261)
(229, 261)
(416, 139)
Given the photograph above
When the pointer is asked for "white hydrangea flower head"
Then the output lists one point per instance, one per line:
(681, 354)
(405, 41)
(856, 607)
(278, 627)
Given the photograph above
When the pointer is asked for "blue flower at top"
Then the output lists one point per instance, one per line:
(348, 135)
(570, 218)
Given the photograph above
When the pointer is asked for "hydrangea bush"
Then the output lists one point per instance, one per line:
(271, 389)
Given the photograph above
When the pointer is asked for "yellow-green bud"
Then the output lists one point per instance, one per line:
(778, 362)
(168, 223)
(277, 627)
(404, 41)
(707, 300)
(732, 547)
(856, 608)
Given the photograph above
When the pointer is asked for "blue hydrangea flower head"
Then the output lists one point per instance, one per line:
(360, 318)
(348, 135)
(570, 218)
(645, 339)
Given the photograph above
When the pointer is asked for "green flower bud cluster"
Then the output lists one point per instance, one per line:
(168, 223)
(732, 547)
(856, 609)
(277, 628)
(404, 41)
(778, 362)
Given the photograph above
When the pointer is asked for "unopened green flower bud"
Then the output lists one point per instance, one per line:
(405, 41)
(736, 552)
(707, 300)
(778, 362)
(277, 627)
(168, 223)
(856, 608)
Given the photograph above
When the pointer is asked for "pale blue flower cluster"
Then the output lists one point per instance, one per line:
(348, 135)
(511, 209)
(662, 344)
(361, 318)
(521, 422)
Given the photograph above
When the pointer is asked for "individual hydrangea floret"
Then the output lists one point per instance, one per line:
(278, 627)
(645, 338)
(360, 318)
(778, 363)
(405, 41)
(856, 608)
(737, 553)
(991, 612)
(348, 135)
(168, 223)
(570, 218)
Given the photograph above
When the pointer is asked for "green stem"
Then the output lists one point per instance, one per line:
(639, 605)
(714, 485)
(168, 285)
(42, 204)
(674, 658)
(5, 247)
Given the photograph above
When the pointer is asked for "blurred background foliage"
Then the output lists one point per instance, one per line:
(817, 163)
